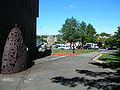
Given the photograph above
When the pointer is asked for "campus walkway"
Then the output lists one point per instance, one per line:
(75, 72)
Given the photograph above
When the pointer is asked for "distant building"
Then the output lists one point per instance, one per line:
(50, 40)
(23, 13)
(55, 39)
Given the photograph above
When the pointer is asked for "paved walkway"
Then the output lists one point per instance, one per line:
(76, 72)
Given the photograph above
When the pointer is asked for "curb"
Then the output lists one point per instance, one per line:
(59, 57)
(95, 59)
(47, 60)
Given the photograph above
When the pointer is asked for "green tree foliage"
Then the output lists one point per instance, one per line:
(87, 33)
(73, 31)
(38, 37)
(90, 34)
(59, 38)
(38, 40)
(117, 35)
(110, 42)
(104, 34)
(69, 31)
(41, 38)
(102, 38)
(82, 31)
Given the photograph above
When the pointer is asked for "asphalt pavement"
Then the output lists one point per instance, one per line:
(75, 72)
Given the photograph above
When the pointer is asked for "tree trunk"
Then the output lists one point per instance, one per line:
(73, 48)
(70, 46)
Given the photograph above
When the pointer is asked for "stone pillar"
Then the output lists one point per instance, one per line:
(15, 53)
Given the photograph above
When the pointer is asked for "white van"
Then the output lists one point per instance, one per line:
(63, 46)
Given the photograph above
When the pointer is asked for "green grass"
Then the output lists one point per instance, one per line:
(70, 51)
(111, 59)
(117, 69)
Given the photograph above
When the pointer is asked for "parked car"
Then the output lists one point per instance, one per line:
(59, 45)
(42, 47)
(43, 50)
(79, 47)
(91, 46)
(86, 46)
(64, 47)
(96, 47)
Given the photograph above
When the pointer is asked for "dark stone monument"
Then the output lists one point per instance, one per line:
(23, 13)
(15, 53)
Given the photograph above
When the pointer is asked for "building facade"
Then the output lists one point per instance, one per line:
(22, 13)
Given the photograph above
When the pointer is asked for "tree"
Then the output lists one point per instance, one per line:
(102, 38)
(87, 33)
(117, 35)
(59, 38)
(73, 31)
(82, 31)
(110, 42)
(90, 34)
(38, 37)
(69, 31)
(103, 34)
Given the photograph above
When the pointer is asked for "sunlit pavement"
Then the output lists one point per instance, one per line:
(75, 72)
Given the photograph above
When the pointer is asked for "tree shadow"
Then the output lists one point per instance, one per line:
(112, 65)
(96, 74)
(114, 59)
(106, 80)
(100, 65)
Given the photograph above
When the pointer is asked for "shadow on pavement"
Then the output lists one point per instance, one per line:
(43, 54)
(100, 65)
(95, 74)
(105, 80)
(106, 65)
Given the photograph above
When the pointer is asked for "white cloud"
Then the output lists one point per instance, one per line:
(69, 7)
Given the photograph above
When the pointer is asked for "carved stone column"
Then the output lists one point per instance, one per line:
(15, 53)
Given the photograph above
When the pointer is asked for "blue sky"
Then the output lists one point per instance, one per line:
(104, 15)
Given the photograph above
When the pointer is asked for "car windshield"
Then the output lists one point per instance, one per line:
(88, 45)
